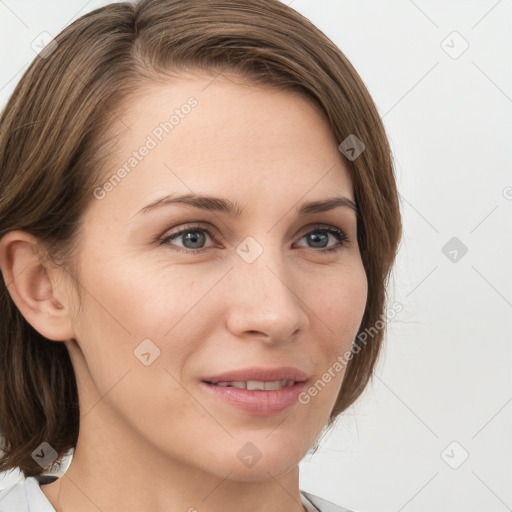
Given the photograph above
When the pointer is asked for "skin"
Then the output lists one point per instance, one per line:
(150, 438)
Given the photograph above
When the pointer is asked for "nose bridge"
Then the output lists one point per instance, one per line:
(263, 297)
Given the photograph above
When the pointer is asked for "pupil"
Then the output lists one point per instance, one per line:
(196, 235)
(317, 237)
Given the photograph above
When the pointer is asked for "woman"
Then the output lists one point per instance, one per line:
(198, 216)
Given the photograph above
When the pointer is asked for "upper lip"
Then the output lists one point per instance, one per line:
(260, 374)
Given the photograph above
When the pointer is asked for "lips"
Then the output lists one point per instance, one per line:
(257, 391)
(258, 374)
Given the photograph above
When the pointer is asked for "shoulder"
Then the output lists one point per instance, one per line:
(24, 496)
(321, 504)
(14, 497)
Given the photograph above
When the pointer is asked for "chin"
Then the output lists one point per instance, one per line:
(259, 459)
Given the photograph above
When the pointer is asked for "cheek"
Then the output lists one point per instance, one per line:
(125, 306)
(339, 313)
(341, 305)
(140, 299)
(119, 316)
(158, 297)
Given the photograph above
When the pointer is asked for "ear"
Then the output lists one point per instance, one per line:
(32, 285)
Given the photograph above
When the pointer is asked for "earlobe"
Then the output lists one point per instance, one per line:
(30, 284)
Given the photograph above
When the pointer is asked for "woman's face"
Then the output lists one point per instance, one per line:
(164, 312)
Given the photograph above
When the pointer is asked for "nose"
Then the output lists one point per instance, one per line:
(264, 300)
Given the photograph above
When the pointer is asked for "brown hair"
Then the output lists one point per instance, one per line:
(55, 138)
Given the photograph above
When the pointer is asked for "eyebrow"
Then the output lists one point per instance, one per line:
(233, 209)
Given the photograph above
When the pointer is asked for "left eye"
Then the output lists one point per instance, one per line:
(319, 235)
(195, 236)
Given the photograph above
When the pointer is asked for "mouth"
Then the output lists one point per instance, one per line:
(257, 377)
(257, 391)
(255, 385)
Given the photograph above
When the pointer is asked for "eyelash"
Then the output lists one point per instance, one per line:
(340, 236)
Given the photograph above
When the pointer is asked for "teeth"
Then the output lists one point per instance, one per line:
(257, 385)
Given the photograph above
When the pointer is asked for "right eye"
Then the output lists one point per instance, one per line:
(195, 238)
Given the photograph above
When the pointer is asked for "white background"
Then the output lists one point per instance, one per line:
(445, 375)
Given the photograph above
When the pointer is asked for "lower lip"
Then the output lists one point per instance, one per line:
(260, 403)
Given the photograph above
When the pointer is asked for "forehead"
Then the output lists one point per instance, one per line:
(202, 134)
